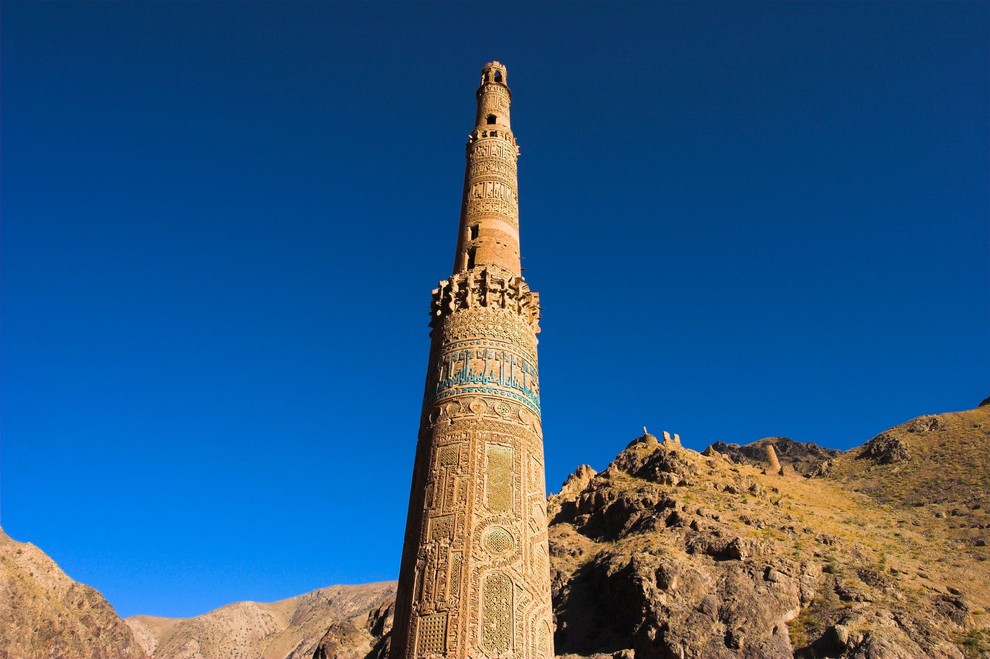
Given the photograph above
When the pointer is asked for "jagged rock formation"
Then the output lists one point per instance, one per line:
(668, 553)
(361, 637)
(287, 629)
(44, 614)
(803, 457)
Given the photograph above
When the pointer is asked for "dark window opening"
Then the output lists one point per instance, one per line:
(473, 232)
(490, 119)
(494, 133)
(470, 263)
(498, 76)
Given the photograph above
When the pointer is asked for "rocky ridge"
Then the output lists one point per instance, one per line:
(671, 553)
(802, 457)
(44, 614)
(287, 629)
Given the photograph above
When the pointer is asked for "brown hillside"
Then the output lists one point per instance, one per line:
(671, 553)
(46, 615)
(935, 470)
(287, 629)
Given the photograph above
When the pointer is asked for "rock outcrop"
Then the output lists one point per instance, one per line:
(670, 553)
(44, 614)
(804, 458)
(361, 637)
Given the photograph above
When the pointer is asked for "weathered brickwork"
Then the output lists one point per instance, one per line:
(475, 574)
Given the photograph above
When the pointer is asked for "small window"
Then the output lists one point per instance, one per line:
(490, 119)
(473, 232)
(470, 263)
(498, 76)
(494, 133)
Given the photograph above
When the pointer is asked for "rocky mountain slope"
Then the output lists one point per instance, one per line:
(287, 629)
(46, 615)
(880, 552)
(672, 553)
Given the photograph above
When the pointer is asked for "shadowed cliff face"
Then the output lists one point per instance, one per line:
(45, 614)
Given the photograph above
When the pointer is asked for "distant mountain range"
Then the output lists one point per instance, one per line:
(879, 552)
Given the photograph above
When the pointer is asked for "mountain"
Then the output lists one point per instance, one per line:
(287, 629)
(879, 552)
(46, 615)
(882, 554)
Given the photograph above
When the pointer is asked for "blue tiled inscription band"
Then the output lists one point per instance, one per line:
(473, 369)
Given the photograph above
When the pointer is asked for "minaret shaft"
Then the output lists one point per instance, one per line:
(475, 575)
(489, 227)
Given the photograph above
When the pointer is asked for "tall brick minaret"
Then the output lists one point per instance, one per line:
(475, 575)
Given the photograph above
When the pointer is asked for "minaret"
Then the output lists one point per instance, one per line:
(475, 575)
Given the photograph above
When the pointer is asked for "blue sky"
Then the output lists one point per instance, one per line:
(221, 223)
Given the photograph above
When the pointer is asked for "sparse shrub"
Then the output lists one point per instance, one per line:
(975, 644)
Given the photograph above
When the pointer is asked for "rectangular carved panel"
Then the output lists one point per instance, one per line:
(431, 634)
(442, 527)
(455, 575)
(499, 481)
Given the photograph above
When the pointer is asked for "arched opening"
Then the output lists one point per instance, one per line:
(498, 76)
(490, 119)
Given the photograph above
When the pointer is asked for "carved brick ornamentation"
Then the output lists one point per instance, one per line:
(496, 623)
(431, 635)
(486, 287)
(454, 576)
(475, 575)
(498, 540)
(499, 479)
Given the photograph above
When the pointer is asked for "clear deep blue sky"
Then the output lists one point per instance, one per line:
(222, 223)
